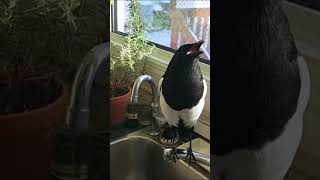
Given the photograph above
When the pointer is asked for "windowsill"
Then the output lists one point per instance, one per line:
(157, 63)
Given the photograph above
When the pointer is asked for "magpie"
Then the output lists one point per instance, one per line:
(182, 94)
(260, 91)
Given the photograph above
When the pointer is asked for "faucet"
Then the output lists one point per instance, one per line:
(155, 103)
(182, 154)
(79, 113)
(72, 140)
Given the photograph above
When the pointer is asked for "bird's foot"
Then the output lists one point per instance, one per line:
(173, 154)
(190, 156)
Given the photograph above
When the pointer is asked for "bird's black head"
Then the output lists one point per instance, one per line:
(184, 61)
(188, 51)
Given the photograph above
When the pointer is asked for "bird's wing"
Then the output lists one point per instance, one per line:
(189, 116)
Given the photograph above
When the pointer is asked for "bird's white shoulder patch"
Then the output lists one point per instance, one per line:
(189, 116)
(159, 86)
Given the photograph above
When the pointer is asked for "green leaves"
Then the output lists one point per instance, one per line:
(68, 7)
(58, 32)
(130, 62)
(162, 21)
(7, 11)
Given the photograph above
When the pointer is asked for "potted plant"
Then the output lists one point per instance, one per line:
(41, 43)
(126, 66)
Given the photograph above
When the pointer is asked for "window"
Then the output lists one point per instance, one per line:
(172, 22)
(314, 4)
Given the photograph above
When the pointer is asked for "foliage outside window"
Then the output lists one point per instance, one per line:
(173, 22)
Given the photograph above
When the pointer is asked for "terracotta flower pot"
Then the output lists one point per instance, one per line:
(118, 108)
(25, 140)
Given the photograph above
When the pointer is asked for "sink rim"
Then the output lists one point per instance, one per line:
(203, 174)
(134, 137)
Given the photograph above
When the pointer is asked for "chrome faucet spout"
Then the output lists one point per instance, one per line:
(155, 103)
(79, 113)
(136, 86)
(74, 138)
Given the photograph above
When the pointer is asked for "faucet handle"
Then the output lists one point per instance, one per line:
(153, 132)
(132, 112)
(159, 119)
(71, 152)
(154, 125)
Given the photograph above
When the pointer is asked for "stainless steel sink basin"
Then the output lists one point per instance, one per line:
(141, 158)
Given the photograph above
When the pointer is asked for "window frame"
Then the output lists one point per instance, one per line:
(114, 29)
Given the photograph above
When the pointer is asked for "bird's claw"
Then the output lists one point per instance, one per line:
(173, 154)
(190, 156)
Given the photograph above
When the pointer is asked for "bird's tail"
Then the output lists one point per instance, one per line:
(184, 131)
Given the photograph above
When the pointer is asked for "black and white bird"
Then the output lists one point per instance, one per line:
(259, 94)
(182, 93)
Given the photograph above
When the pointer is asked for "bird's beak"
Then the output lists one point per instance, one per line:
(195, 49)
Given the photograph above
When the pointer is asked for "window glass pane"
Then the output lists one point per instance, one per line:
(173, 22)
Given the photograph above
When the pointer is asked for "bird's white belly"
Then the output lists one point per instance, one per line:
(189, 116)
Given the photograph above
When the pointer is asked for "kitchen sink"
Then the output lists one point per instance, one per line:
(141, 158)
